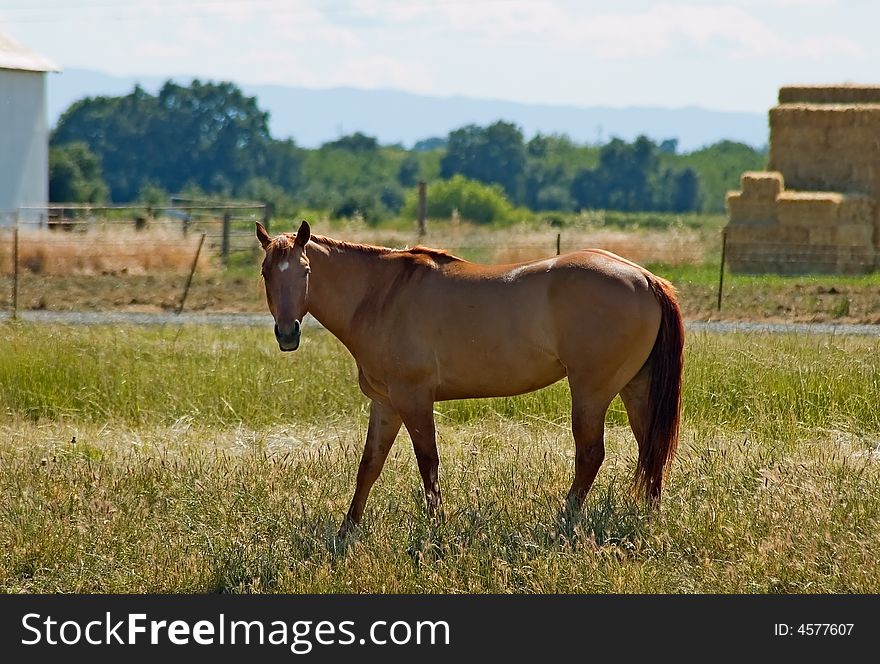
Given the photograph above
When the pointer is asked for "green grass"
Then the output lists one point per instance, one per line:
(706, 274)
(201, 460)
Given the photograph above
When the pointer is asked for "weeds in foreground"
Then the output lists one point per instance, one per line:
(133, 464)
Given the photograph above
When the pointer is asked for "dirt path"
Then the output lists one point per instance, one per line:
(256, 320)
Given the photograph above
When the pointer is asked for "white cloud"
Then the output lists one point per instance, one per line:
(382, 71)
(727, 29)
(155, 50)
(372, 72)
(300, 21)
(799, 3)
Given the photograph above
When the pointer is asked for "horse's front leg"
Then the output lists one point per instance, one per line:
(383, 428)
(417, 411)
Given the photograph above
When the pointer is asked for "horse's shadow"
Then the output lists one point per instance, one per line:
(608, 518)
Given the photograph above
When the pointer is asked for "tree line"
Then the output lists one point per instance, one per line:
(211, 139)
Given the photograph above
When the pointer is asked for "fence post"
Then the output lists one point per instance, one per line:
(224, 246)
(15, 269)
(423, 208)
(721, 270)
(267, 214)
(192, 271)
(186, 221)
(558, 243)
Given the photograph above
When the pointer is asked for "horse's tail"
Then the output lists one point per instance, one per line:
(666, 364)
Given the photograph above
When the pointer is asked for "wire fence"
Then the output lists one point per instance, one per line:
(207, 258)
(224, 224)
(108, 264)
(757, 258)
(743, 257)
(95, 257)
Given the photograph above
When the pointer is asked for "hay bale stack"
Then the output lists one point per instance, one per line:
(845, 93)
(765, 185)
(809, 209)
(817, 209)
(755, 205)
(827, 147)
(744, 211)
(857, 209)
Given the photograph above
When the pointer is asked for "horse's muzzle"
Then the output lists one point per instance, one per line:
(288, 336)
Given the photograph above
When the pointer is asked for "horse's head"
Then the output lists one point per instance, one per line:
(286, 276)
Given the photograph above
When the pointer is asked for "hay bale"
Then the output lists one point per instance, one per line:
(846, 93)
(808, 209)
(855, 235)
(855, 260)
(857, 209)
(819, 236)
(762, 184)
(826, 147)
(747, 211)
(762, 236)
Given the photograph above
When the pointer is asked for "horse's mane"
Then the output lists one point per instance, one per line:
(286, 241)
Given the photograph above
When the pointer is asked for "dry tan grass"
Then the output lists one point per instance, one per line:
(669, 247)
(513, 245)
(103, 252)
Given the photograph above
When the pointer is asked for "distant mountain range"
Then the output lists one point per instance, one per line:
(312, 116)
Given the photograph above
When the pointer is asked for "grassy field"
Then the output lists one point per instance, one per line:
(202, 460)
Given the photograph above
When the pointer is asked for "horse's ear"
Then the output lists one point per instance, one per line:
(263, 235)
(303, 234)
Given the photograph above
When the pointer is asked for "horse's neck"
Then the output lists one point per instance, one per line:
(340, 280)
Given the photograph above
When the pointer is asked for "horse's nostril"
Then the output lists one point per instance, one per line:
(296, 327)
(277, 332)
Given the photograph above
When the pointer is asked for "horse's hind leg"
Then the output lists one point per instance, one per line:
(636, 397)
(588, 407)
(383, 428)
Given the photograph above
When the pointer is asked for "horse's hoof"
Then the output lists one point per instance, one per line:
(346, 529)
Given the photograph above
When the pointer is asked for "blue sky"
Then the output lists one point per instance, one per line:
(720, 55)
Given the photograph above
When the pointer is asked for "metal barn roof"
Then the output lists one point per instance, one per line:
(15, 56)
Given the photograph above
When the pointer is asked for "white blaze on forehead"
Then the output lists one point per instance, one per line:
(283, 265)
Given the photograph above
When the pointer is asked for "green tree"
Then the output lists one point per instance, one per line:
(152, 195)
(551, 165)
(687, 191)
(408, 173)
(474, 201)
(494, 154)
(210, 134)
(75, 175)
(207, 134)
(429, 144)
(265, 191)
(356, 142)
(114, 128)
(284, 165)
(719, 167)
(633, 177)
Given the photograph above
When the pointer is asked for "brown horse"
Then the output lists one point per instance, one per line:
(425, 326)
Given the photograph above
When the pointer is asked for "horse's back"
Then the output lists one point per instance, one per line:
(589, 284)
(493, 330)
